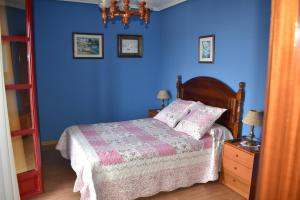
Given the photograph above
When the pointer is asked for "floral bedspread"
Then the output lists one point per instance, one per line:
(131, 159)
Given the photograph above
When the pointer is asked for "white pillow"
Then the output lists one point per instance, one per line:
(174, 112)
(199, 120)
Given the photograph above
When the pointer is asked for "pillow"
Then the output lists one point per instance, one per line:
(198, 121)
(174, 112)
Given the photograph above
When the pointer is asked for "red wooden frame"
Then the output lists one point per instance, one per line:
(18, 87)
(33, 102)
(30, 180)
(15, 38)
(30, 183)
(22, 132)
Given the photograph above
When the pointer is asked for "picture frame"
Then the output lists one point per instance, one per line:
(206, 49)
(88, 45)
(130, 46)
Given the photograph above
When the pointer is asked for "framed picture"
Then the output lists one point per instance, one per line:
(88, 45)
(130, 46)
(207, 49)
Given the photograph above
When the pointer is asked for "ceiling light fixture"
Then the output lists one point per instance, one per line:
(121, 8)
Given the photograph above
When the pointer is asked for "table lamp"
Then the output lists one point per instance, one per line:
(163, 95)
(253, 118)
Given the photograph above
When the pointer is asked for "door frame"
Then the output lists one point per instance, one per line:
(279, 174)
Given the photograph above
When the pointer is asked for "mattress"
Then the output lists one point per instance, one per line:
(138, 158)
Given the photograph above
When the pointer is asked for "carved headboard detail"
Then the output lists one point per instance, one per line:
(214, 92)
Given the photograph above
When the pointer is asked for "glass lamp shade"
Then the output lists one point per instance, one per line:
(104, 3)
(163, 95)
(253, 118)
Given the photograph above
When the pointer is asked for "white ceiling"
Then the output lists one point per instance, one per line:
(157, 5)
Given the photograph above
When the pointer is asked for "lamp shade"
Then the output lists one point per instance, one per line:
(253, 118)
(163, 95)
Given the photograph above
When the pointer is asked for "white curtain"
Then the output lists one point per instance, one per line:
(8, 180)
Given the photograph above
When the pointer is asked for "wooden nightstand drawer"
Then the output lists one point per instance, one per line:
(236, 184)
(237, 169)
(238, 156)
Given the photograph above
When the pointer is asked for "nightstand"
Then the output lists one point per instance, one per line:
(153, 112)
(239, 168)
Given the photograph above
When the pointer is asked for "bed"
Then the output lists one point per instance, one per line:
(140, 158)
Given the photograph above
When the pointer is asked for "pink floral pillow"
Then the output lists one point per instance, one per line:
(199, 120)
(173, 113)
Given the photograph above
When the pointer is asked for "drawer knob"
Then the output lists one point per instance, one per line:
(237, 155)
(235, 168)
(233, 180)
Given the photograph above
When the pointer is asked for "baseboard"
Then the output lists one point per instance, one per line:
(49, 142)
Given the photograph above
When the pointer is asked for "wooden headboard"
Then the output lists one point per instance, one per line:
(213, 92)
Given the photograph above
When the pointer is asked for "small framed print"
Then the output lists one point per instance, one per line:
(88, 45)
(130, 46)
(207, 49)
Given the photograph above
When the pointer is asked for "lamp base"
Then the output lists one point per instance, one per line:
(251, 143)
(163, 104)
(255, 147)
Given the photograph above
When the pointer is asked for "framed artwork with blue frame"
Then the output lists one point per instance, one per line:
(207, 49)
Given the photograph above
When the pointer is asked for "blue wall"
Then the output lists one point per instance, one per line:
(74, 91)
(16, 21)
(241, 31)
(89, 91)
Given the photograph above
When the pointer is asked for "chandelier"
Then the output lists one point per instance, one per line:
(122, 8)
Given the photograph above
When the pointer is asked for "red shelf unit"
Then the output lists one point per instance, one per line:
(18, 87)
(15, 38)
(30, 182)
(22, 132)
